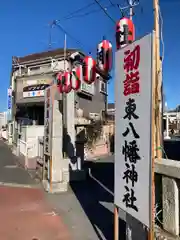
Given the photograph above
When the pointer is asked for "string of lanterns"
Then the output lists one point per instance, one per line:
(86, 72)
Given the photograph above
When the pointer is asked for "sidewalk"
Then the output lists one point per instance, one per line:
(10, 172)
(86, 209)
(25, 214)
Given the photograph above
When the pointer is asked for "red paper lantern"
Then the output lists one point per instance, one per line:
(89, 70)
(104, 56)
(64, 82)
(125, 32)
(77, 77)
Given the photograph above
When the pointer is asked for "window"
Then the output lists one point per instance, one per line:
(34, 68)
(102, 87)
(24, 70)
(45, 67)
(84, 96)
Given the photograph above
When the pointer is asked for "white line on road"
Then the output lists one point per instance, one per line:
(102, 185)
(53, 214)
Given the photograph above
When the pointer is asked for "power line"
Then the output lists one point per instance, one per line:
(161, 33)
(115, 5)
(89, 13)
(105, 11)
(50, 37)
(77, 11)
(84, 47)
(131, 5)
(57, 24)
(71, 15)
(111, 2)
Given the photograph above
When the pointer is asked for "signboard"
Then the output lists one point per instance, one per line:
(33, 94)
(36, 82)
(87, 88)
(34, 90)
(9, 98)
(133, 99)
(9, 102)
(48, 122)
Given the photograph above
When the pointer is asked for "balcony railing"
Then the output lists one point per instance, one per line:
(53, 66)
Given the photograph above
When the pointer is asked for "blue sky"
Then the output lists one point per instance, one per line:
(24, 30)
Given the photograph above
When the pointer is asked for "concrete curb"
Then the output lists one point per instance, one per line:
(17, 185)
(99, 157)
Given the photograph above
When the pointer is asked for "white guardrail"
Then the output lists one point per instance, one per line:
(25, 148)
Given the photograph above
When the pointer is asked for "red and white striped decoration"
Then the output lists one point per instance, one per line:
(77, 77)
(89, 70)
(64, 82)
(125, 32)
(104, 56)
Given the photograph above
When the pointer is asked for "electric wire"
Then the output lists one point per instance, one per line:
(86, 49)
(113, 4)
(70, 15)
(78, 10)
(105, 11)
(89, 13)
(161, 22)
(57, 24)
(50, 37)
(161, 32)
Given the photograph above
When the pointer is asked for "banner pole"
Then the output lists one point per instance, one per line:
(153, 140)
(116, 222)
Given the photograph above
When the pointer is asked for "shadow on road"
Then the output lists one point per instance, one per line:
(96, 201)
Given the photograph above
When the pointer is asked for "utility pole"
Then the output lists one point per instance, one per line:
(65, 49)
(158, 73)
(177, 119)
(64, 94)
(156, 114)
(130, 9)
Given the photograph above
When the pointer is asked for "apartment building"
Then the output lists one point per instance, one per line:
(3, 119)
(33, 73)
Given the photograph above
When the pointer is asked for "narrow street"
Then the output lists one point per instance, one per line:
(85, 212)
(25, 214)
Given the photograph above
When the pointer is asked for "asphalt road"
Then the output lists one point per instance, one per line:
(10, 172)
(88, 207)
